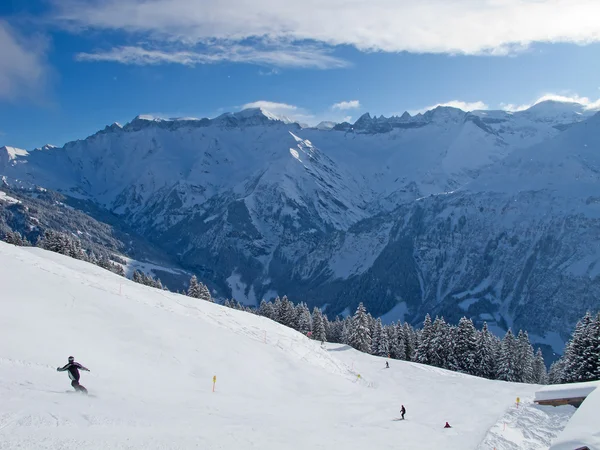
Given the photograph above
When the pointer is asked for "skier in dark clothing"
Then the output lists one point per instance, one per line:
(403, 411)
(73, 368)
(387, 365)
(447, 425)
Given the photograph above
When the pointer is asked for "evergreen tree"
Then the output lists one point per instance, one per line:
(137, 276)
(277, 306)
(360, 332)
(392, 335)
(288, 313)
(485, 356)
(507, 361)
(326, 326)
(194, 288)
(376, 332)
(401, 342)
(539, 369)
(204, 293)
(442, 345)
(346, 330)
(383, 345)
(524, 359)
(576, 351)
(303, 319)
(15, 238)
(424, 349)
(319, 333)
(466, 346)
(266, 309)
(410, 339)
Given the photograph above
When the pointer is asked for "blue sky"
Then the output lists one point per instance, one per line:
(70, 67)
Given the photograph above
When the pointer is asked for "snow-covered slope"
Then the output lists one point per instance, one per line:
(257, 205)
(153, 356)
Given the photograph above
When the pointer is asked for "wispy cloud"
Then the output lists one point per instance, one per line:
(588, 104)
(23, 70)
(342, 106)
(273, 107)
(433, 26)
(298, 113)
(465, 106)
(307, 56)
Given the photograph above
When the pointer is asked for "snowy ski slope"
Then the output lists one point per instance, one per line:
(153, 355)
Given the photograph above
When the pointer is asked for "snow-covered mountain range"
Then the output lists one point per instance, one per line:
(489, 213)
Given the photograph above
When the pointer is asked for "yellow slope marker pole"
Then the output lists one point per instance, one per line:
(214, 382)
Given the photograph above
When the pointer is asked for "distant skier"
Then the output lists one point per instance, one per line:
(387, 365)
(73, 368)
(403, 411)
(447, 425)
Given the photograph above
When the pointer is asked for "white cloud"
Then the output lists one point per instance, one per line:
(588, 104)
(23, 71)
(301, 56)
(495, 27)
(465, 106)
(297, 113)
(341, 106)
(273, 107)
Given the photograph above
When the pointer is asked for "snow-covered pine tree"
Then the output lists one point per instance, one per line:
(360, 332)
(410, 339)
(525, 359)
(326, 326)
(383, 344)
(194, 288)
(556, 373)
(423, 352)
(376, 332)
(589, 365)
(318, 330)
(226, 303)
(507, 358)
(539, 369)
(288, 313)
(392, 335)
(575, 351)
(266, 309)
(303, 319)
(336, 331)
(439, 350)
(277, 309)
(15, 238)
(485, 355)
(137, 276)
(204, 293)
(401, 342)
(466, 346)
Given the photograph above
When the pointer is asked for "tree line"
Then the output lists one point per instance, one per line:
(581, 358)
(461, 348)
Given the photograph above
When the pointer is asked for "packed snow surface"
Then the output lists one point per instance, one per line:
(153, 355)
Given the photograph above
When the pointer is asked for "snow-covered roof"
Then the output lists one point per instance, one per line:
(583, 430)
(561, 391)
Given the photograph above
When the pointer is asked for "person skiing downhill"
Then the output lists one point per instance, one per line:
(403, 411)
(73, 368)
(387, 365)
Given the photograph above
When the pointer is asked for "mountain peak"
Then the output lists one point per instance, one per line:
(253, 116)
(556, 106)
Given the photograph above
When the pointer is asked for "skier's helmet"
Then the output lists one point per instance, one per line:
(71, 359)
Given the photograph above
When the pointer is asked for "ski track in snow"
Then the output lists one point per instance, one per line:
(153, 355)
